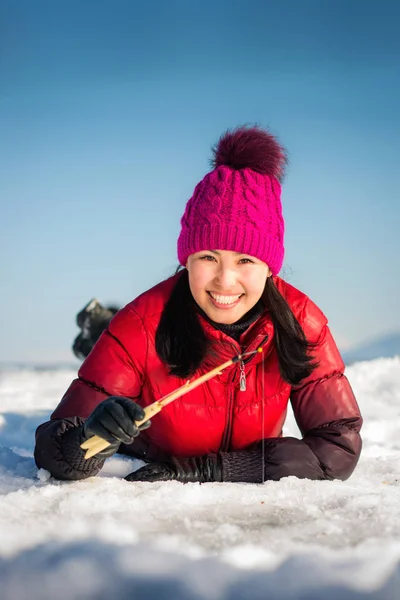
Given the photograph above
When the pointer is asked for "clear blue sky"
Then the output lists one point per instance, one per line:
(108, 111)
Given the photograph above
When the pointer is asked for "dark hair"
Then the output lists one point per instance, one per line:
(182, 344)
(294, 350)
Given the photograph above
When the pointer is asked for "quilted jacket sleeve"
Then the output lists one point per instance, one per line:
(109, 370)
(327, 413)
(328, 417)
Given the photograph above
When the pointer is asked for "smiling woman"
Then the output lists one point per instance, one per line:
(227, 300)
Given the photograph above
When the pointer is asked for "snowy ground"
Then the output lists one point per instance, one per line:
(107, 538)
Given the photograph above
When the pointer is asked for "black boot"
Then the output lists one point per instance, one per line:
(92, 320)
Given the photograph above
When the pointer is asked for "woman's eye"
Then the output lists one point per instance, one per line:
(207, 257)
(246, 261)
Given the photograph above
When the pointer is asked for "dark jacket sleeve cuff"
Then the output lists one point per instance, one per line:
(271, 460)
(58, 450)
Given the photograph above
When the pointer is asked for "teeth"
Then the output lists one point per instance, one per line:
(225, 299)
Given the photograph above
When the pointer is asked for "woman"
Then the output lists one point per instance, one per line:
(227, 299)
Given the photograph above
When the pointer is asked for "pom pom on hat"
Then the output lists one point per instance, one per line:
(252, 148)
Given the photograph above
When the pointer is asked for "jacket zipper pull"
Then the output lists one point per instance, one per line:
(242, 384)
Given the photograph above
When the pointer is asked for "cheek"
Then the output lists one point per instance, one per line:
(255, 284)
(198, 281)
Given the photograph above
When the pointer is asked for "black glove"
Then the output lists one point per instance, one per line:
(113, 420)
(201, 469)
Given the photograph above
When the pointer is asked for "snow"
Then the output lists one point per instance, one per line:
(107, 538)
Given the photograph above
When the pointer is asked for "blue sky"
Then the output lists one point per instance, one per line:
(108, 111)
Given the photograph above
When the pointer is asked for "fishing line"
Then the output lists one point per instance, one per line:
(263, 420)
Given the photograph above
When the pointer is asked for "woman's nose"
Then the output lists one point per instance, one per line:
(225, 279)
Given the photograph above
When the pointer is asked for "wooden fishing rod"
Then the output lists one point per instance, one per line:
(96, 444)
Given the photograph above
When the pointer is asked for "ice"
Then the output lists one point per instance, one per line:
(108, 538)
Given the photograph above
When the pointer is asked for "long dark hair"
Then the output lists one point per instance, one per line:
(294, 350)
(182, 343)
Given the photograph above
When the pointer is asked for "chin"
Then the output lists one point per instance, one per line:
(230, 321)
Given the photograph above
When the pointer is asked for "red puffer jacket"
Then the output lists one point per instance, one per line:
(217, 416)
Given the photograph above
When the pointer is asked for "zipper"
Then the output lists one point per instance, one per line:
(242, 381)
(228, 426)
(226, 438)
(242, 365)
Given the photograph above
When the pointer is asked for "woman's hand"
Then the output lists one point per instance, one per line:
(114, 421)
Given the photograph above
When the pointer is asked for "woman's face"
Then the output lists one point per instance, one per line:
(226, 284)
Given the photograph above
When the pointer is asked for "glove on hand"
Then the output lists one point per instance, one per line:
(113, 420)
(201, 469)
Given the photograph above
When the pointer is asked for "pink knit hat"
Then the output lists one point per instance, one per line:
(237, 205)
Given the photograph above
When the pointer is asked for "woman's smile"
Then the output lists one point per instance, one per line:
(224, 301)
